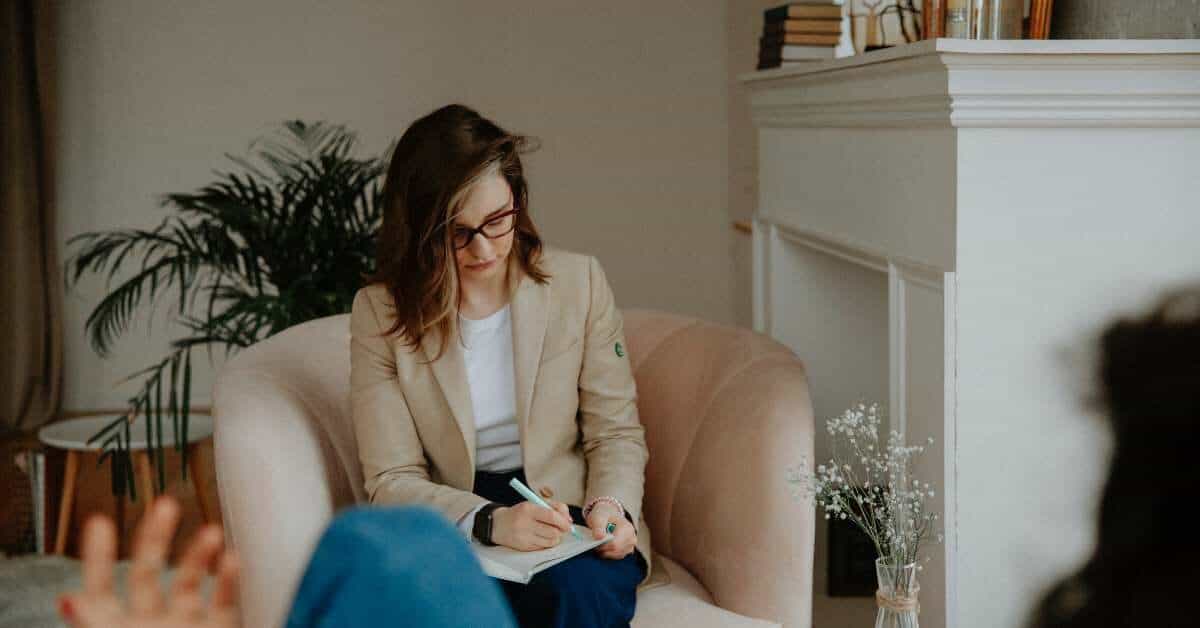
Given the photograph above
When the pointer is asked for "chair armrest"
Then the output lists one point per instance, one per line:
(734, 521)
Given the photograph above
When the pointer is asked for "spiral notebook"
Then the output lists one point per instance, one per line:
(515, 566)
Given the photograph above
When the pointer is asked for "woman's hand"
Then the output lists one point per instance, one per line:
(624, 537)
(527, 526)
(97, 605)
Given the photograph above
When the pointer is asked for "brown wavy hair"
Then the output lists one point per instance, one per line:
(433, 167)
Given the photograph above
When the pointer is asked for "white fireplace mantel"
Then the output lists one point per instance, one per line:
(1015, 83)
(944, 227)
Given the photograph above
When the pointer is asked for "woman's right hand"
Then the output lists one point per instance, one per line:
(527, 527)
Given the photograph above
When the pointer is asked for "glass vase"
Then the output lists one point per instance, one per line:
(984, 19)
(1000, 19)
(896, 596)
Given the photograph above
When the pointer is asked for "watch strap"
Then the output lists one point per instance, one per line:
(482, 528)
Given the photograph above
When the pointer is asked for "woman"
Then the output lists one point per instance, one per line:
(479, 354)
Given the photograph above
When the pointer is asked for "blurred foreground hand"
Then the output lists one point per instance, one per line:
(184, 606)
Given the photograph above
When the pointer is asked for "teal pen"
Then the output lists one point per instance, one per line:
(533, 497)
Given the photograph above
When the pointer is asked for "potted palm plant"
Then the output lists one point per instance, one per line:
(265, 247)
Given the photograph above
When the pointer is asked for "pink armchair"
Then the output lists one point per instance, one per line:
(726, 410)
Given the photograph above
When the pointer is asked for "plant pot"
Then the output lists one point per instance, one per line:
(896, 596)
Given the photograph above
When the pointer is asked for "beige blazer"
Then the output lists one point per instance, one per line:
(575, 399)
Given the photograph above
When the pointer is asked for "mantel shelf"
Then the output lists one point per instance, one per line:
(1010, 47)
(965, 83)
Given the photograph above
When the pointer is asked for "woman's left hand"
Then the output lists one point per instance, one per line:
(624, 537)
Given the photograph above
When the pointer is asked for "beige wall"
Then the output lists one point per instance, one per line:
(744, 27)
(630, 100)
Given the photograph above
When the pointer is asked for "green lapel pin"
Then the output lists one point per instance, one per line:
(620, 351)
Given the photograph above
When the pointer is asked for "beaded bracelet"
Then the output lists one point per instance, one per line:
(591, 503)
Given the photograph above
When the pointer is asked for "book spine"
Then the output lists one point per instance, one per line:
(817, 10)
(1039, 19)
(804, 26)
(799, 38)
(776, 13)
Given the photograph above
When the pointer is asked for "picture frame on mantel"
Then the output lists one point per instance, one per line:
(877, 24)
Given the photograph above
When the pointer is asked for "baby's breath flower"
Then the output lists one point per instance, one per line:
(880, 496)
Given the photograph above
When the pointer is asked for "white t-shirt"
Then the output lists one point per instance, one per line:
(488, 350)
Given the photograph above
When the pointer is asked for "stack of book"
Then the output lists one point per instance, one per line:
(799, 32)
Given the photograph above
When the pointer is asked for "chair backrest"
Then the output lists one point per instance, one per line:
(285, 456)
(310, 364)
(708, 395)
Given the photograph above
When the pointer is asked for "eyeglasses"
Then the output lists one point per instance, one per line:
(494, 228)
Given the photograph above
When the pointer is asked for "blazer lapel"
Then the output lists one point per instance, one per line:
(451, 374)
(529, 322)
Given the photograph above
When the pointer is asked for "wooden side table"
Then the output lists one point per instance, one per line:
(72, 435)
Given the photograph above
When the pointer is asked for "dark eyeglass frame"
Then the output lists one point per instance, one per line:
(479, 230)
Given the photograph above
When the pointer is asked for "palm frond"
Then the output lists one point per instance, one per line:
(284, 238)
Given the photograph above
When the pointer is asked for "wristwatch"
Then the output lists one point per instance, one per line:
(482, 530)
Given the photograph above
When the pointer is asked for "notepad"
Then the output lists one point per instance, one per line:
(515, 566)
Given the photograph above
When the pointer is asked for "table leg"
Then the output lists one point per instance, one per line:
(64, 507)
(145, 478)
(194, 468)
(120, 508)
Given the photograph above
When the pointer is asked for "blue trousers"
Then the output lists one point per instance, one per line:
(585, 591)
(395, 566)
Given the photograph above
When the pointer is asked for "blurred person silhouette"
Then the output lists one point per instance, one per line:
(1147, 556)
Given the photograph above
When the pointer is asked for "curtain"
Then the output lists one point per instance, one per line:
(31, 290)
